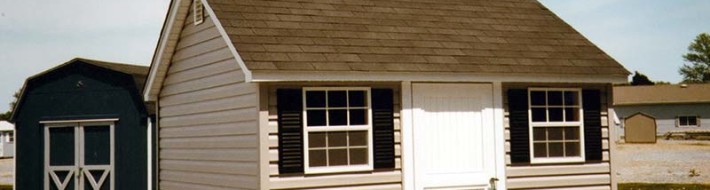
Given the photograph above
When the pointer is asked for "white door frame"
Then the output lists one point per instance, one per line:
(408, 166)
(79, 170)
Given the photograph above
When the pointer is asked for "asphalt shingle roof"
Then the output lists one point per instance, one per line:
(662, 94)
(478, 36)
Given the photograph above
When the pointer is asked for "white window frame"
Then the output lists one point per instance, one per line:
(697, 121)
(367, 128)
(534, 124)
(198, 12)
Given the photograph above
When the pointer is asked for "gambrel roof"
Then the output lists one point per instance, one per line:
(421, 37)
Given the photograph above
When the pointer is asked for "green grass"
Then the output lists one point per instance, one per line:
(662, 186)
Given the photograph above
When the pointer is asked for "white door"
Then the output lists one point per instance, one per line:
(79, 156)
(453, 136)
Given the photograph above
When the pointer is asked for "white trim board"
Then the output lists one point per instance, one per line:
(159, 52)
(282, 76)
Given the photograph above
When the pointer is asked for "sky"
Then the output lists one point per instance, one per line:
(648, 36)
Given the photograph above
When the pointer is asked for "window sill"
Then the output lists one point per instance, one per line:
(338, 169)
(567, 160)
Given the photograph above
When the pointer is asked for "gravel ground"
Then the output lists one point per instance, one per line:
(6, 168)
(664, 162)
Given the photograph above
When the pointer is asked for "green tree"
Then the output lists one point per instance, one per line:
(8, 114)
(698, 71)
(640, 79)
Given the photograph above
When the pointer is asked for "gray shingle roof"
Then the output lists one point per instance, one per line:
(662, 94)
(477, 36)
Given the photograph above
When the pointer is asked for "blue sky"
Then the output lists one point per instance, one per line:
(645, 35)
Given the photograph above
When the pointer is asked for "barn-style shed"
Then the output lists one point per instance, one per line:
(83, 125)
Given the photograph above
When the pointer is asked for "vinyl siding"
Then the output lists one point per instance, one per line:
(563, 176)
(666, 115)
(379, 179)
(208, 116)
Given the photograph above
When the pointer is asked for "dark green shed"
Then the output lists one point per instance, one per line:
(83, 123)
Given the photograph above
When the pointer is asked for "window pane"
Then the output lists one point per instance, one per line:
(572, 149)
(337, 117)
(337, 157)
(337, 139)
(317, 158)
(315, 99)
(539, 134)
(556, 150)
(692, 121)
(316, 140)
(571, 114)
(554, 133)
(358, 156)
(554, 98)
(571, 133)
(316, 117)
(683, 120)
(538, 114)
(358, 117)
(337, 99)
(357, 98)
(537, 98)
(571, 98)
(555, 114)
(358, 138)
(540, 150)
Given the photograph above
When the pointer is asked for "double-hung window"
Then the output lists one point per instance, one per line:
(687, 121)
(337, 128)
(556, 125)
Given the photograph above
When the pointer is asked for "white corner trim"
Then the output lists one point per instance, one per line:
(218, 25)
(499, 133)
(157, 59)
(407, 136)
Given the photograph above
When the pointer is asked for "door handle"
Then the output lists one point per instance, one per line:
(80, 172)
(493, 181)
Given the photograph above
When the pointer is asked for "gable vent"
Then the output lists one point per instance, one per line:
(198, 11)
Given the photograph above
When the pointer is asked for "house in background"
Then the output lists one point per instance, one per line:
(83, 125)
(675, 108)
(7, 139)
(380, 94)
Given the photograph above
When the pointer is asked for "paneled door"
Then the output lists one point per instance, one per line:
(453, 136)
(79, 156)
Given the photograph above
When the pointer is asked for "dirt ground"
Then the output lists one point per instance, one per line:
(664, 162)
(6, 168)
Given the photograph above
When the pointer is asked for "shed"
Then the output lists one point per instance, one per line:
(83, 125)
(380, 94)
(640, 128)
(7, 139)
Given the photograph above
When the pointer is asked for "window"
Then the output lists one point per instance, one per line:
(337, 128)
(11, 137)
(556, 125)
(687, 121)
(198, 11)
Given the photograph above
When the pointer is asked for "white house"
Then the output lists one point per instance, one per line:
(7, 139)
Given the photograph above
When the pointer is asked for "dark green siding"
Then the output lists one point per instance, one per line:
(82, 91)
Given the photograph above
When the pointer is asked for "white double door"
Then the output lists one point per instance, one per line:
(79, 156)
(454, 144)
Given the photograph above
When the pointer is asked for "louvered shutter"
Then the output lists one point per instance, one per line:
(383, 128)
(290, 112)
(592, 124)
(519, 126)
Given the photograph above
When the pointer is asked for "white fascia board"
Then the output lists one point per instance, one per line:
(157, 63)
(225, 36)
(350, 76)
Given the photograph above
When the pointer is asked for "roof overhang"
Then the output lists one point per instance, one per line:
(276, 76)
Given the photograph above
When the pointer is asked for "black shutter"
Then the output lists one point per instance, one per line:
(290, 110)
(592, 125)
(383, 128)
(519, 126)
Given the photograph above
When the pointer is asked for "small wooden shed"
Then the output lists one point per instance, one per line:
(83, 125)
(640, 128)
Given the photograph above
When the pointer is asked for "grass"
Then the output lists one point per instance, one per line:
(662, 186)
(5, 187)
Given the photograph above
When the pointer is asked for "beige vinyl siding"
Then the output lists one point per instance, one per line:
(564, 176)
(385, 179)
(208, 116)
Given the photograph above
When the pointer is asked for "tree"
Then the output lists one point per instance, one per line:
(640, 79)
(699, 57)
(8, 114)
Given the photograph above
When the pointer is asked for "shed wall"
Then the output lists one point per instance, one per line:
(561, 176)
(208, 116)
